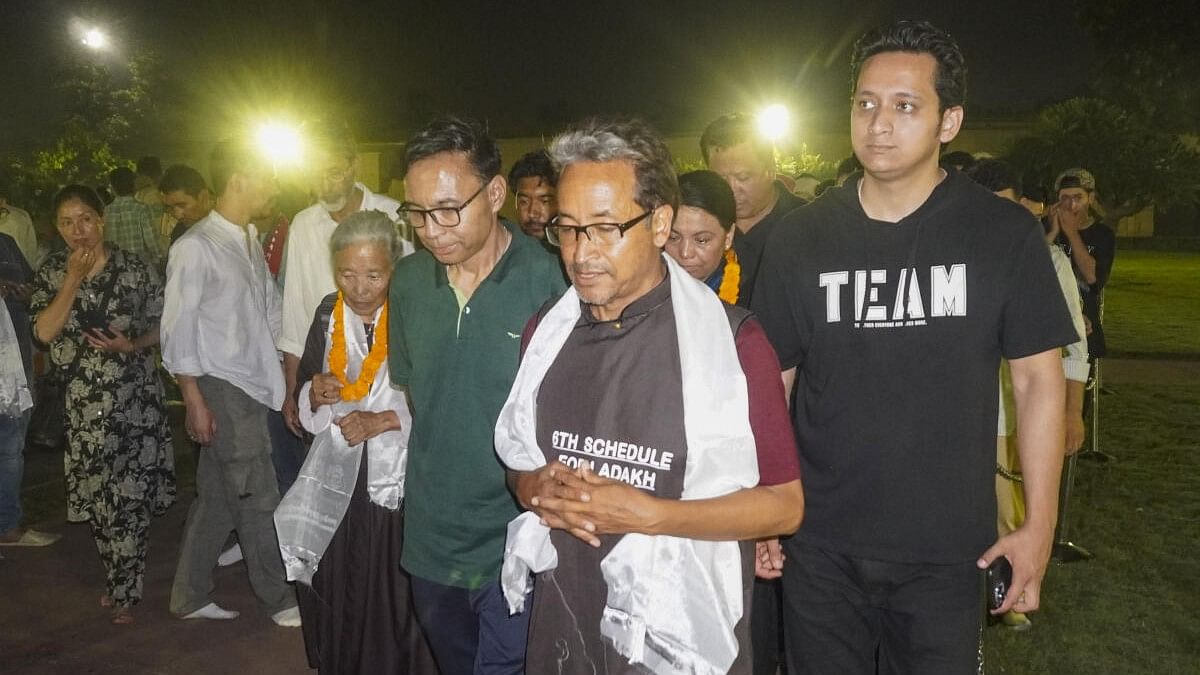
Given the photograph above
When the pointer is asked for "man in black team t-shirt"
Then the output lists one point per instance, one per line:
(732, 147)
(890, 301)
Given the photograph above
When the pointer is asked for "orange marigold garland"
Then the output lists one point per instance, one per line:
(732, 279)
(370, 366)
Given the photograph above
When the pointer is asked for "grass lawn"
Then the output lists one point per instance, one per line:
(1152, 303)
(1132, 609)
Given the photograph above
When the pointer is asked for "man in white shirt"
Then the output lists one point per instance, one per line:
(219, 327)
(307, 266)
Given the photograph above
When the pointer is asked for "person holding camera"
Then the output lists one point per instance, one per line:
(96, 308)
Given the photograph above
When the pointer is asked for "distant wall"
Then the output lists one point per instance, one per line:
(1140, 224)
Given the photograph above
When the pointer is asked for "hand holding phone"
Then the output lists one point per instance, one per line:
(108, 340)
(999, 580)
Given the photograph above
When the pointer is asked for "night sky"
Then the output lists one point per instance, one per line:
(525, 67)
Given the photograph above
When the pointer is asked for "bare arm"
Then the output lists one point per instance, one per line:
(1039, 389)
(147, 339)
(1076, 432)
(589, 505)
(291, 410)
(1079, 254)
(753, 513)
(291, 366)
(50, 321)
(200, 423)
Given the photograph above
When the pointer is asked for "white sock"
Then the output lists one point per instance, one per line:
(212, 611)
(230, 556)
(288, 618)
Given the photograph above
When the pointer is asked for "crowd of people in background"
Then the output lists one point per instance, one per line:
(722, 421)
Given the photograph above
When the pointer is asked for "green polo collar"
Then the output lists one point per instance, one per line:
(517, 250)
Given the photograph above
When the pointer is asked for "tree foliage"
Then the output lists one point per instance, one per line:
(789, 163)
(1148, 58)
(1135, 164)
(103, 111)
(804, 161)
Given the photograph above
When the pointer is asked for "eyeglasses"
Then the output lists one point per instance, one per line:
(605, 234)
(444, 216)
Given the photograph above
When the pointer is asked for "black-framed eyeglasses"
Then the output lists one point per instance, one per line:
(444, 216)
(606, 234)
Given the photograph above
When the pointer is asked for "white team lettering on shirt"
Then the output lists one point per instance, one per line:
(947, 295)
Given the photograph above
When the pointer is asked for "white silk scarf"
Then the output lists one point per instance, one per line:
(15, 397)
(309, 514)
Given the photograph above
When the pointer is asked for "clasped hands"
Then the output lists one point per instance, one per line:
(585, 504)
(588, 505)
(356, 426)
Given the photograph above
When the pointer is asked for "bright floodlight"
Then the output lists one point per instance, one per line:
(280, 143)
(773, 122)
(94, 38)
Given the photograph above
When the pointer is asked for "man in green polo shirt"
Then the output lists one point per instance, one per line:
(456, 313)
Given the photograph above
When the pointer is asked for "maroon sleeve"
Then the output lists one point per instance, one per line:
(527, 333)
(778, 460)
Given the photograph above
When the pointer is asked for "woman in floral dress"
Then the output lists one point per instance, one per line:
(97, 309)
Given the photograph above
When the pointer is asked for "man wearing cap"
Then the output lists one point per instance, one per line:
(1090, 244)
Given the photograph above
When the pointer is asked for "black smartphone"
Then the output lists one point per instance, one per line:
(999, 580)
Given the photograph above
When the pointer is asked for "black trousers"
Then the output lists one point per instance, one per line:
(851, 615)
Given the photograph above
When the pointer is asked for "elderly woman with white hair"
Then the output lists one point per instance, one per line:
(341, 524)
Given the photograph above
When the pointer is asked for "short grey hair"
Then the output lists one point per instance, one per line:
(628, 140)
(367, 227)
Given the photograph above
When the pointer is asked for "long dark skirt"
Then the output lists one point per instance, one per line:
(358, 615)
